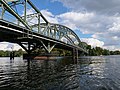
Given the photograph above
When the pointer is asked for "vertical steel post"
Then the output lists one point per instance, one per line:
(25, 10)
(73, 53)
(49, 47)
(55, 36)
(38, 22)
(28, 57)
(59, 35)
(3, 11)
(55, 32)
(25, 14)
(77, 54)
(29, 46)
(48, 30)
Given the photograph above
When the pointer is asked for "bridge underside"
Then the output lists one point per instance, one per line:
(10, 33)
(33, 31)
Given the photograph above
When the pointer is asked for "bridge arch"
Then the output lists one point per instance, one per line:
(41, 29)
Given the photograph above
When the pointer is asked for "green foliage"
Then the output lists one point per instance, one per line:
(97, 51)
(54, 52)
(7, 53)
(61, 52)
(92, 51)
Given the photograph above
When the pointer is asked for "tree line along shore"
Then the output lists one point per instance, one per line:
(92, 51)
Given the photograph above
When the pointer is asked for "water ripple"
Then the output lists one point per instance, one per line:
(89, 73)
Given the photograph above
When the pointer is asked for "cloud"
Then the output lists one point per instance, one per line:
(101, 18)
(74, 20)
(49, 16)
(93, 42)
(104, 29)
(109, 7)
(9, 46)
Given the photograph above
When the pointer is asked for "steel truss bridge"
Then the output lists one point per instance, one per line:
(31, 30)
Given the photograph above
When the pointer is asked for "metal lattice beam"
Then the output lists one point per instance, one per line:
(40, 26)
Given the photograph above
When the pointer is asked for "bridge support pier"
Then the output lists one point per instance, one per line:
(29, 47)
(75, 54)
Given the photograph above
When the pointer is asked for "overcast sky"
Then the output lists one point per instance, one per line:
(96, 22)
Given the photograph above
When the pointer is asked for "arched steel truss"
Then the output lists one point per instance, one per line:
(58, 32)
(36, 22)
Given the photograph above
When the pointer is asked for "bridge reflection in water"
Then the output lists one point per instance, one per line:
(89, 73)
(33, 31)
(59, 74)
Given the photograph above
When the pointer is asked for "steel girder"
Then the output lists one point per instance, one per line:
(37, 23)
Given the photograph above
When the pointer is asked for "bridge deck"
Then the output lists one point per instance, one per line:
(13, 33)
(24, 30)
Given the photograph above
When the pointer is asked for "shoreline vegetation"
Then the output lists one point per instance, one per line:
(20, 52)
(93, 51)
(98, 51)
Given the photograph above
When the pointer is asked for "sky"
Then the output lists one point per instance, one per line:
(96, 22)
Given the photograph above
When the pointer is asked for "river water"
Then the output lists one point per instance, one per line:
(88, 73)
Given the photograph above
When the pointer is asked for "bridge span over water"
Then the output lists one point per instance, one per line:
(32, 30)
